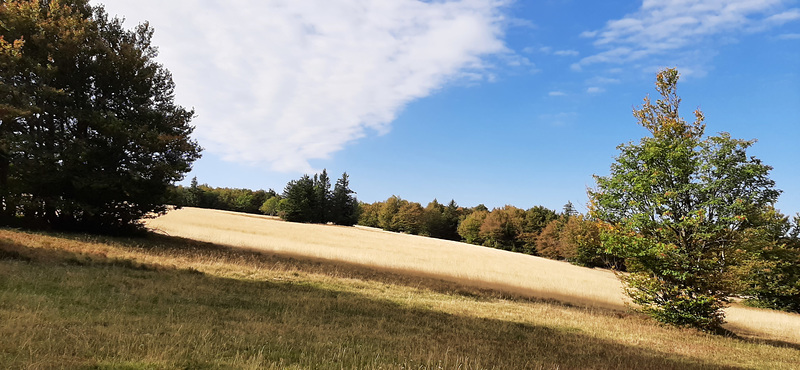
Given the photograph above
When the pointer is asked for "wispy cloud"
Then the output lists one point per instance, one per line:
(557, 93)
(558, 119)
(549, 50)
(570, 53)
(282, 83)
(664, 27)
(603, 80)
(595, 90)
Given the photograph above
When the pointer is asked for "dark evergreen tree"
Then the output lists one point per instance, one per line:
(195, 194)
(298, 200)
(343, 205)
(322, 195)
(569, 210)
(451, 216)
(90, 136)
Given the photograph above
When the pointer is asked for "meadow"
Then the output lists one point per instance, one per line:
(292, 298)
(464, 264)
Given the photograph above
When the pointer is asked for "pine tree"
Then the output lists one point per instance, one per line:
(322, 195)
(298, 200)
(90, 136)
(343, 205)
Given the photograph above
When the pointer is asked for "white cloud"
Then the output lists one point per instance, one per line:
(595, 90)
(789, 36)
(603, 80)
(571, 53)
(664, 28)
(559, 119)
(549, 50)
(787, 16)
(557, 93)
(281, 83)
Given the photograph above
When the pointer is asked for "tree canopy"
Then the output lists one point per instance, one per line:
(677, 206)
(90, 136)
(311, 200)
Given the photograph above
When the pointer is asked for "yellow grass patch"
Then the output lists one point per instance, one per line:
(457, 262)
(83, 301)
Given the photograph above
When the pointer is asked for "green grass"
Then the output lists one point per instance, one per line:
(85, 302)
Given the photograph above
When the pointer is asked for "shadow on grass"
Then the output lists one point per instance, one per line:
(177, 246)
(125, 311)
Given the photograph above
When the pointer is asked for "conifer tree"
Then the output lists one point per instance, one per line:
(344, 206)
(90, 136)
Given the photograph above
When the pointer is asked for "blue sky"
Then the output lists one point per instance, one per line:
(482, 101)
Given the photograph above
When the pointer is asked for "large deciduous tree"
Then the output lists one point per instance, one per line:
(90, 137)
(676, 206)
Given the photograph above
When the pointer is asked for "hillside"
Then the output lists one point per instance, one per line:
(465, 264)
(81, 301)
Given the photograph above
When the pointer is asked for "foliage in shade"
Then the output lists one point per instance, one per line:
(228, 199)
(676, 206)
(771, 274)
(90, 137)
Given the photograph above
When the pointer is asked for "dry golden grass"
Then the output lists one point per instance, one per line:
(91, 302)
(460, 263)
(457, 262)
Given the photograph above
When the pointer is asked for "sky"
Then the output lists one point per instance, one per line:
(488, 102)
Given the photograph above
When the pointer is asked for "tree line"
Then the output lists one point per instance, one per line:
(307, 199)
(228, 199)
(537, 231)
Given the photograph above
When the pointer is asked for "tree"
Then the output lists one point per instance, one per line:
(298, 200)
(676, 206)
(470, 228)
(579, 243)
(569, 209)
(369, 214)
(536, 219)
(409, 218)
(502, 227)
(195, 194)
(434, 224)
(770, 276)
(270, 206)
(343, 205)
(548, 242)
(451, 215)
(90, 136)
(321, 199)
(387, 217)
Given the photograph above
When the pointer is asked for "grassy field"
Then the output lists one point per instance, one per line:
(166, 302)
(458, 262)
(464, 264)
